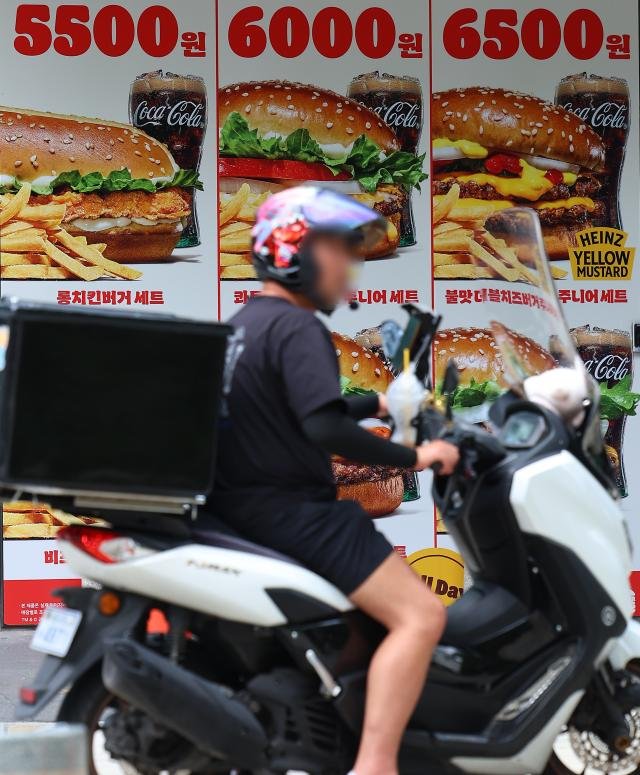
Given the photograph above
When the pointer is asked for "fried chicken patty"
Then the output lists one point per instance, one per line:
(171, 203)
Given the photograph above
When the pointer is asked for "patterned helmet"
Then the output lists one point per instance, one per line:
(287, 217)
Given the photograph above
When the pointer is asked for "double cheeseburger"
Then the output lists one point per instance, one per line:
(378, 489)
(275, 134)
(480, 364)
(504, 149)
(120, 186)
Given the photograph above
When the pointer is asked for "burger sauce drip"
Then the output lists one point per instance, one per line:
(503, 162)
(555, 176)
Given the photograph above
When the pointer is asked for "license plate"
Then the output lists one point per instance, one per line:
(56, 631)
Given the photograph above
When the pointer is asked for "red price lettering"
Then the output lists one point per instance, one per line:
(289, 32)
(34, 36)
(502, 40)
(158, 31)
(74, 38)
(461, 40)
(375, 33)
(583, 34)
(114, 30)
(541, 34)
(331, 32)
(246, 38)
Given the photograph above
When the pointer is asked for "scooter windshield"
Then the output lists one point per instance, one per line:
(523, 330)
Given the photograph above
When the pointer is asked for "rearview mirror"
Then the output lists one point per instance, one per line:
(451, 379)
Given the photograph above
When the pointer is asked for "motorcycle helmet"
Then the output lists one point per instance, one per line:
(282, 244)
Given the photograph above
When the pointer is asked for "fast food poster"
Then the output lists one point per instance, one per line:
(338, 96)
(107, 220)
(115, 177)
(32, 571)
(538, 106)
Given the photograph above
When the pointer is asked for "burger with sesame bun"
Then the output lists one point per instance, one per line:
(276, 134)
(480, 365)
(120, 186)
(504, 148)
(378, 489)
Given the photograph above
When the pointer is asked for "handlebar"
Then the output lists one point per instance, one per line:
(479, 450)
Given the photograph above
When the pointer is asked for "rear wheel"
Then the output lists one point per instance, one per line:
(90, 703)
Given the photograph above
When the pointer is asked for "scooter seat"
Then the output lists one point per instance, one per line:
(482, 613)
(218, 533)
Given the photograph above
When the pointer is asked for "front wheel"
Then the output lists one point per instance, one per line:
(584, 752)
(90, 703)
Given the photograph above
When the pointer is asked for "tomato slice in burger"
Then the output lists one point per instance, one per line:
(276, 169)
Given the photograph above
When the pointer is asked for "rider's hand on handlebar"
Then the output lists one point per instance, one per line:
(439, 452)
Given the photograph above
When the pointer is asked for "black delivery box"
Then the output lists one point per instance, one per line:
(109, 405)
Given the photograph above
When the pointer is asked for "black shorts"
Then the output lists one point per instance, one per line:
(335, 539)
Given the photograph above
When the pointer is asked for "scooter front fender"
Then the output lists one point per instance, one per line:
(626, 647)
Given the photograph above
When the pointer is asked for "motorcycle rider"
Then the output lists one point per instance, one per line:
(285, 415)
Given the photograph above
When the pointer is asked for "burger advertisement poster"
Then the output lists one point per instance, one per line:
(537, 107)
(138, 140)
(105, 144)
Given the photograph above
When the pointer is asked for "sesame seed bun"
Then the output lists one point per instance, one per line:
(35, 145)
(283, 107)
(378, 489)
(516, 123)
(364, 368)
(477, 356)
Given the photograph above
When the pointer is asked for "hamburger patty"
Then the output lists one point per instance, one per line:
(387, 200)
(555, 215)
(170, 203)
(585, 185)
(346, 472)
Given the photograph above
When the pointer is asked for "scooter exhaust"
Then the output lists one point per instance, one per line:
(207, 714)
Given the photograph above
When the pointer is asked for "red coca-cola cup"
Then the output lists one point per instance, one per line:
(397, 100)
(603, 104)
(608, 356)
(173, 109)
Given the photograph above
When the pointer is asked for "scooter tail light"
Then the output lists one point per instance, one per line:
(104, 545)
(28, 696)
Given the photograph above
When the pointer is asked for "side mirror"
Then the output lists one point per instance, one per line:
(449, 385)
(451, 378)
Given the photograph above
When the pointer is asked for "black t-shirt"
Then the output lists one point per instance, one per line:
(286, 369)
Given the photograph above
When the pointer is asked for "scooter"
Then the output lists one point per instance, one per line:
(261, 664)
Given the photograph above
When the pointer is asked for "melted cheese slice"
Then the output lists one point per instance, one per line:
(573, 201)
(531, 185)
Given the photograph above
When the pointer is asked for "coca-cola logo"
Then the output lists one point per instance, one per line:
(182, 113)
(400, 114)
(603, 116)
(609, 368)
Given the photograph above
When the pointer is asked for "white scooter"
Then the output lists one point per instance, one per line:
(264, 665)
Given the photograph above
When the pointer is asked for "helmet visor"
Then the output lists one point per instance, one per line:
(329, 212)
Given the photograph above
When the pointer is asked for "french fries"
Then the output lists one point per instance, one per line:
(463, 249)
(235, 204)
(460, 253)
(237, 214)
(444, 205)
(14, 204)
(34, 246)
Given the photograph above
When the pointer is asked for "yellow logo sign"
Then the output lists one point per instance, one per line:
(442, 570)
(601, 254)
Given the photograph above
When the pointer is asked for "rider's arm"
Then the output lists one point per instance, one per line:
(361, 407)
(333, 429)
